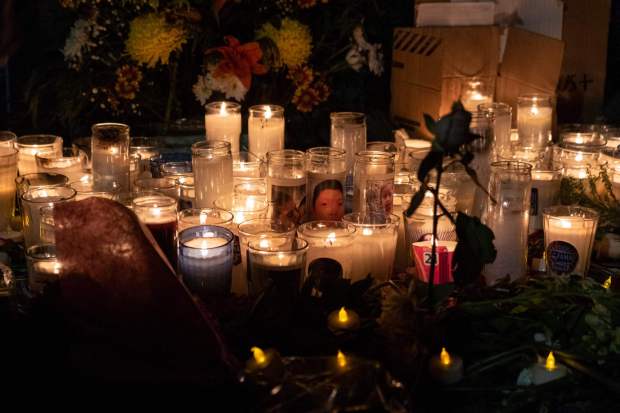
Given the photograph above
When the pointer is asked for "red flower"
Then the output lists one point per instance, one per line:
(240, 60)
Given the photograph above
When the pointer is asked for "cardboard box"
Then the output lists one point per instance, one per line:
(429, 81)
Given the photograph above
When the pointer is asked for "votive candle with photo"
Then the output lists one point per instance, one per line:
(534, 120)
(265, 129)
(159, 214)
(545, 193)
(328, 239)
(213, 173)
(8, 173)
(223, 123)
(373, 182)
(569, 237)
(69, 163)
(30, 145)
(206, 260)
(110, 157)
(325, 183)
(286, 184)
(33, 200)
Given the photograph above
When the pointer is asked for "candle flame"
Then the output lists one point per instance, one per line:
(259, 355)
(342, 360)
(331, 238)
(579, 156)
(579, 139)
(114, 150)
(263, 243)
(223, 111)
(550, 363)
(534, 110)
(156, 212)
(565, 223)
(250, 203)
(268, 113)
(445, 357)
(343, 317)
(367, 231)
(204, 244)
(203, 218)
(607, 283)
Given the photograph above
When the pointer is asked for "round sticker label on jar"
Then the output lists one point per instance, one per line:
(562, 257)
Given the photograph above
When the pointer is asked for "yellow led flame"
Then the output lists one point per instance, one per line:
(445, 357)
(607, 283)
(343, 317)
(550, 363)
(342, 360)
(259, 355)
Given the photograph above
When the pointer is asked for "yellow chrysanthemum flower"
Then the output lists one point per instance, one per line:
(151, 40)
(293, 40)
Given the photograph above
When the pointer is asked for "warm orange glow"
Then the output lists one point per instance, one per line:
(342, 360)
(343, 317)
(268, 113)
(550, 363)
(445, 357)
(223, 109)
(607, 283)
(259, 355)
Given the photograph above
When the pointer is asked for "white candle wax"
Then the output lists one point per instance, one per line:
(472, 100)
(110, 169)
(213, 180)
(224, 126)
(206, 266)
(575, 231)
(545, 191)
(534, 126)
(326, 244)
(265, 134)
(42, 273)
(373, 253)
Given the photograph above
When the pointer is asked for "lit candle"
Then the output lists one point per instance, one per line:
(110, 157)
(68, 163)
(348, 132)
(213, 176)
(159, 214)
(446, 368)
(33, 200)
(343, 320)
(265, 129)
(547, 370)
(329, 239)
(286, 184)
(474, 92)
(265, 364)
(206, 216)
(43, 267)
(30, 145)
(545, 191)
(223, 123)
(246, 166)
(342, 362)
(8, 173)
(534, 120)
(472, 100)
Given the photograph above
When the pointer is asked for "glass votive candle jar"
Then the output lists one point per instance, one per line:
(348, 132)
(534, 120)
(43, 267)
(206, 260)
(175, 168)
(47, 225)
(84, 189)
(385, 146)
(7, 139)
(475, 92)
(374, 247)
(32, 202)
(164, 186)
(144, 146)
(69, 163)
(136, 170)
(223, 123)
(30, 145)
(569, 237)
(213, 179)
(419, 226)
(39, 180)
(326, 177)
(186, 191)
(206, 216)
(159, 214)
(110, 157)
(373, 182)
(415, 151)
(286, 184)
(328, 239)
(545, 193)
(246, 207)
(8, 173)
(278, 262)
(265, 129)
(500, 119)
(247, 165)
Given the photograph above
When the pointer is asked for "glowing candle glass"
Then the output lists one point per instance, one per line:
(206, 216)
(247, 165)
(373, 182)
(500, 119)
(545, 193)
(415, 151)
(186, 191)
(43, 267)
(329, 239)
(265, 129)
(325, 183)
(213, 179)
(8, 173)
(286, 184)
(165, 186)
(39, 180)
(534, 118)
(32, 202)
(175, 168)
(569, 236)
(348, 132)
(7, 139)
(30, 145)
(223, 123)
(145, 147)
(475, 92)
(159, 214)
(84, 189)
(110, 157)
(69, 163)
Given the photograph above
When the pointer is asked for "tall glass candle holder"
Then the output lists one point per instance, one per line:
(206, 260)
(569, 236)
(545, 193)
(508, 218)
(374, 248)
(43, 267)
(276, 261)
(159, 214)
(373, 182)
(7, 139)
(136, 170)
(286, 184)
(348, 132)
(325, 183)
(186, 191)
(213, 179)
(328, 239)
(403, 191)
(534, 120)
(39, 180)
(499, 116)
(69, 163)
(482, 148)
(265, 129)
(475, 92)
(30, 145)
(8, 173)
(206, 216)
(32, 201)
(110, 157)
(223, 123)
(247, 165)
(165, 186)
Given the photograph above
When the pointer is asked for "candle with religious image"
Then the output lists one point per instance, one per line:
(159, 214)
(286, 185)
(265, 129)
(329, 239)
(373, 182)
(110, 157)
(213, 173)
(30, 145)
(325, 183)
(223, 123)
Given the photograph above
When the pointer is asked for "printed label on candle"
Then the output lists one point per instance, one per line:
(289, 201)
(443, 263)
(562, 257)
(534, 202)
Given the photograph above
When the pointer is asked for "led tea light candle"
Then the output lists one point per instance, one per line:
(7, 139)
(266, 365)
(475, 92)
(30, 145)
(422, 254)
(343, 320)
(206, 260)
(374, 247)
(373, 182)
(265, 129)
(325, 183)
(32, 202)
(286, 184)
(159, 214)
(68, 163)
(43, 267)
(110, 157)
(446, 368)
(8, 173)
(508, 218)
(164, 186)
(279, 262)
(547, 370)
(189, 218)
(534, 119)
(500, 119)
(213, 179)
(342, 362)
(329, 239)
(223, 123)
(569, 237)
(545, 193)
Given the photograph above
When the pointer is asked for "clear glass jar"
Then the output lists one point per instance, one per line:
(508, 218)
(286, 185)
(223, 123)
(545, 193)
(205, 216)
(175, 168)
(265, 129)
(213, 173)
(414, 152)
(69, 163)
(329, 240)
(8, 173)
(419, 226)
(110, 157)
(499, 116)
(534, 120)
(32, 201)
(7, 139)
(476, 91)
(43, 267)
(373, 182)
(159, 214)
(165, 186)
(348, 132)
(326, 176)
(481, 147)
(29, 145)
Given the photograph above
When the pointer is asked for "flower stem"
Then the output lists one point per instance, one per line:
(431, 275)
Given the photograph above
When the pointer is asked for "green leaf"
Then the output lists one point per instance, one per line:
(430, 123)
(474, 249)
(519, 309)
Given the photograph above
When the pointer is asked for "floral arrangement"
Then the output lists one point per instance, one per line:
(163, 60)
